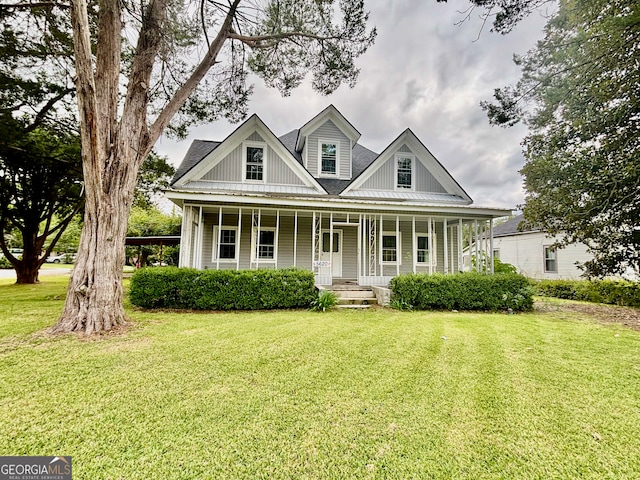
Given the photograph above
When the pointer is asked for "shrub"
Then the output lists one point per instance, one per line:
(326, 300)
(463, 291)
(557, 288)
(186, 288)
(614, 292)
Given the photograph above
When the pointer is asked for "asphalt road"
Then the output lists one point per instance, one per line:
(10, 273)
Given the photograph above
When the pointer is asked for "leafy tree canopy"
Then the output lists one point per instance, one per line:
(155, 174)
(579, 94)
(40, 190)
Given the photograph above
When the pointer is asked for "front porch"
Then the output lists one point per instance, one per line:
(366, 247)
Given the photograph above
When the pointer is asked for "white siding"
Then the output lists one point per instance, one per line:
(329, 131)
(231, 168)
(384, 178)
(526, 253)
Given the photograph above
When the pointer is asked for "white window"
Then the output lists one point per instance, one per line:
(496, 254)
(254, 156)
(425, 249)
(227, 248)
(390, 248)
(550, 260)
(404, 172)
(328, 157)
(263, 244)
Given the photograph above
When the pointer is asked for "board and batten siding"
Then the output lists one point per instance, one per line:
(329, 131)
(285, 240)
(231, 168)
(304, 243)
(384, 178)
(406, 231)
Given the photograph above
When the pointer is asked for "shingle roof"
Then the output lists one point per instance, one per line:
(362, 158)
(510, 227)
(289, 141)
(197, 151)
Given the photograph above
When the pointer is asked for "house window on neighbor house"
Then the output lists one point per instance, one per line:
(254, 163)
(496, 254)
(423, 249)
(550, 260)
(264, 243)
(329, 158)
(404, 172)
(389, 249)
(227, 248)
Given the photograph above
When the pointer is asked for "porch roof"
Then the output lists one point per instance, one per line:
(324, 203)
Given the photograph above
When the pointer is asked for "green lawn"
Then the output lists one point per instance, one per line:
(357, 394)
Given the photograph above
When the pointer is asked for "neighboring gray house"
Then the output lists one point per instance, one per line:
(533, 254)
(315, 198)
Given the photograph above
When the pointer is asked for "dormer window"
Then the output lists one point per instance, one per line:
(254, 161)
(404, 172)
(329, 157)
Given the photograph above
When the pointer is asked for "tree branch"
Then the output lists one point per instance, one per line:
(187, 88)
(30, 5)
(40, 116)
(258, 41)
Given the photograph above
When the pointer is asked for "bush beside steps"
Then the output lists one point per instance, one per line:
(462, 291)
(191, 289)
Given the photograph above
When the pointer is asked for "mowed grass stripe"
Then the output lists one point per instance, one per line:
(367, 394)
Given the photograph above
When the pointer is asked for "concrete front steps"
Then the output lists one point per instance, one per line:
(353, 296)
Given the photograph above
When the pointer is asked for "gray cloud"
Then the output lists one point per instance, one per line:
(428, 74)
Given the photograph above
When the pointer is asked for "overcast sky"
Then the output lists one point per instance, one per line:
(425, 73)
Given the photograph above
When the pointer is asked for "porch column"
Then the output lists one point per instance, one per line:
(413, 243)
(460, 257)
(276, 239)
(238, 240)
(431, 249)
(198, 255)
(477, 247)
(359, 248)
(295, 239)
(491, 244)
(446, 245)
(258, 239)
(331, 246)
(185, 237)
(217, 246)
(398, 246)
(380, 237)
(313, 242)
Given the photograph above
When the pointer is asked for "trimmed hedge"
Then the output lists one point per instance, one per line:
(613, 292)
(186, 288)
(463, 291)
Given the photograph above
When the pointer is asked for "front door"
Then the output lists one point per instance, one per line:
(327, 258)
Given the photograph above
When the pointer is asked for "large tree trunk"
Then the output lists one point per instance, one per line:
(28, 266)
(113, 151)
(27, 272)
(95, 295)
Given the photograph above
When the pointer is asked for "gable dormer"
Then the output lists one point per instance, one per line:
(250, 159)
(325, 143)
(406, 169)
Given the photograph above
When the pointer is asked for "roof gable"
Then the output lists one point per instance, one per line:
(329, 113)
(202, 158)
(423, 155)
